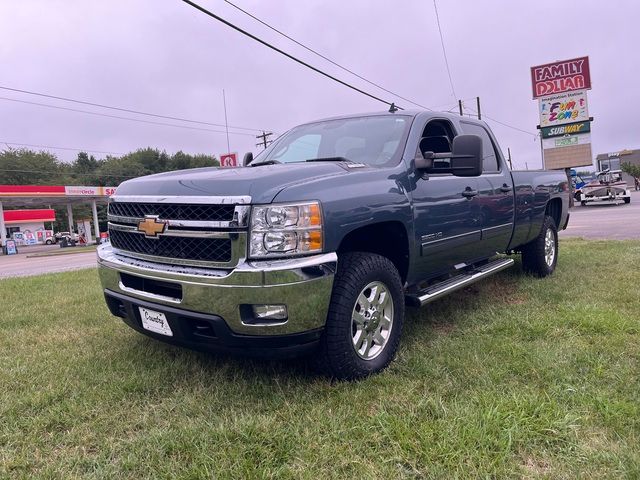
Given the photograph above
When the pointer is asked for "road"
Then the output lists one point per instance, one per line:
(605, 221)
(21, 266)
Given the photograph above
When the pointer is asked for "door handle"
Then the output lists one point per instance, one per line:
(506, 188)
(468, 193)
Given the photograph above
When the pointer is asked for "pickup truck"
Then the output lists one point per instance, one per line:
(317, 245)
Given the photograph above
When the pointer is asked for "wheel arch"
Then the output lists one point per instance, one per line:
(554, 210)
(389, 239)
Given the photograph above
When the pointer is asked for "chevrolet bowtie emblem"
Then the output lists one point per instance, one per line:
(151, 226)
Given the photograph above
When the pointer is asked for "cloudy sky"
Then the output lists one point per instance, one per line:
(164, 57)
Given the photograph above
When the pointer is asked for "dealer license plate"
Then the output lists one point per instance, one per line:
(155, 322)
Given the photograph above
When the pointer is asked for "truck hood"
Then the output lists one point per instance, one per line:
(261, 183)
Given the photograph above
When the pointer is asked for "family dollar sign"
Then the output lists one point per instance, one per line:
(559, 77)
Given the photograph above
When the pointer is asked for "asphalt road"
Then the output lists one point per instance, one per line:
(605, 221)
(21, 266)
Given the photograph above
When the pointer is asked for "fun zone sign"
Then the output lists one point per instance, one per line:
(563, 108)
(559, 77)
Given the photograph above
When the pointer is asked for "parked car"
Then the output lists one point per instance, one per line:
(67, 235)
(316, 246)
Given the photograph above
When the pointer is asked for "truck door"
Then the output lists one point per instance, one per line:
(443, 209)
(494, 205)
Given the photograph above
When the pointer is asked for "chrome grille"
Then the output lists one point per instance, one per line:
(201, 231)
(173, 211)
(184, 248)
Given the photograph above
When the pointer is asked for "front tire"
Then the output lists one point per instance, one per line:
(627, 200)
(365, 318)
(540, 256)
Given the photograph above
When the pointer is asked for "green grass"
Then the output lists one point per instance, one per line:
(514, 377)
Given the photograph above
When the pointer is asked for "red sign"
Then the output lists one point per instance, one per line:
(229, 160)
(24, 216)
(559, 77)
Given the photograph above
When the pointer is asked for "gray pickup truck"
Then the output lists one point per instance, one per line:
(316, 245)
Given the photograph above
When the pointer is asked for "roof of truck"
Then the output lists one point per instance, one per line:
(410, 113)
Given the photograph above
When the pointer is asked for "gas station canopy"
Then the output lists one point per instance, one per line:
(38, 195)
(50, 195)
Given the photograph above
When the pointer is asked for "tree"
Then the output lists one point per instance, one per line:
(26, 167)
(633, 170)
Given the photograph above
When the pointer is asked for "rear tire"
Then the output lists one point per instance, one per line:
(540, 256)
(627, 200)
(365, 317)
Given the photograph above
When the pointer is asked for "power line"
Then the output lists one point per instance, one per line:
(265, 139)
(120, 109)
(444, 51)
(62, 148)
(484, 115)
(315, 52)
(123, 118)
(282, 52)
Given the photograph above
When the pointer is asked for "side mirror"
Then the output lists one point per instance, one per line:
(466, 158)
(248, 158)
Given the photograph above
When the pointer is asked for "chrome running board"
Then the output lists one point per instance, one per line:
(455, 283)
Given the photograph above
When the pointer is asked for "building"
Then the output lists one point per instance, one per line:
(18, 196)
(28, 227)
(614, 160)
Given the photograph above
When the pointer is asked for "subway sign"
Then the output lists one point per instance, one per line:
(568, 129)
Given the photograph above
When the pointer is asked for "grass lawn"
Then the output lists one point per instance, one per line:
(513, 377)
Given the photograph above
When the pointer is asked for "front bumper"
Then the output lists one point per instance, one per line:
(304, 285)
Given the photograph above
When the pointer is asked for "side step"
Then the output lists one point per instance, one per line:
(459, 281)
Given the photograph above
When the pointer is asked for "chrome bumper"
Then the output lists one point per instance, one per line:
(303, 285)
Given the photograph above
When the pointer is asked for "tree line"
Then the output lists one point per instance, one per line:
(28, 167)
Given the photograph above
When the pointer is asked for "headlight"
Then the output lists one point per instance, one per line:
(284, 230)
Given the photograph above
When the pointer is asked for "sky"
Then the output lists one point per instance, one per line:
(165, 57)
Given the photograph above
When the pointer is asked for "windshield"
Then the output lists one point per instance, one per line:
(372, 140)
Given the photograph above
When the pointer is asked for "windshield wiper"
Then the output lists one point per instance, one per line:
(329, 159)
(266, 162)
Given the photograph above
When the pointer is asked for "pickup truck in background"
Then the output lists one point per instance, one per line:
(316, 245)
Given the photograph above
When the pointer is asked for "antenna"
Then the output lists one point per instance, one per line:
(393, 108)
(226, 124)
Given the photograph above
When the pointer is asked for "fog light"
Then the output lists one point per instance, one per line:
(270, 312)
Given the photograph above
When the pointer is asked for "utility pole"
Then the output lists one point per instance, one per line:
(226, 124)
(460, 106)
(541, 146)
(264, 139)
(478, 102)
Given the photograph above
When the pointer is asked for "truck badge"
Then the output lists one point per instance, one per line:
(151, 226)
